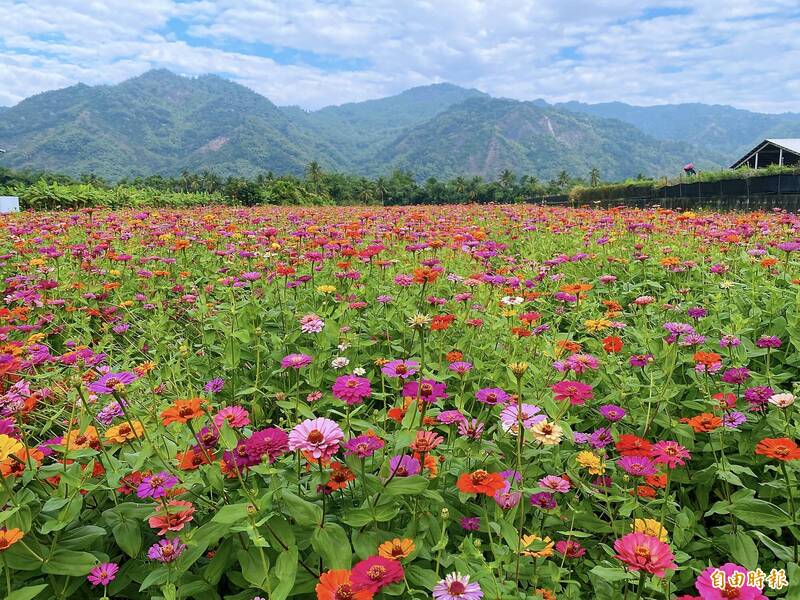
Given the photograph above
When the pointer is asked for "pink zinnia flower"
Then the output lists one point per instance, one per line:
(570, 548)
(707, 590)
(456, 586)
(103, 574)
(319, 437)
(374, 573)
(235, 416)
(574, 391)
(351, 389)
(400, 368)
(638, 466)
(492, 396)
(554, 483)
(670, 453)
(643, 552)
(510, 416)
(295, 361)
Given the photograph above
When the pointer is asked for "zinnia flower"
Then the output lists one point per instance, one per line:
(234, 416)
(708, 584)
(156, 486)
(778, 448)
(480, 482)
(295, 361)
(456, 586)
(400, 368)
(351, 390)
(166, 550)
(336, 585)
(363, 446)
(669, 453)
(643, 552)
(546, 433)
(396, 549)
(427, 391)
(574, 391)
(182, 411)
(374, 573)
(103, 574)
(111, 382)
(319, 437)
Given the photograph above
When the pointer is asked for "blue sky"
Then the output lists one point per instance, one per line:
(318, 52)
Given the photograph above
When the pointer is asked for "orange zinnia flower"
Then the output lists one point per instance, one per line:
(708, 359)
(173, 517)
(778, 448)
(191, 459)
(335, 585)
(182, 411)
(120, 434)
(425, 275)
(340, 477)
(704, 423)
(480, 482)
(17, 462)
(9, 537)
(80, 440)
(396, 548)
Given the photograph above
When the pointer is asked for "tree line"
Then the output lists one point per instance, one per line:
(316, 187)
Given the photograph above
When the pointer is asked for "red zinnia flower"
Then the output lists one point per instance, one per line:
(631, 445)
(778, 448)
(480, 482)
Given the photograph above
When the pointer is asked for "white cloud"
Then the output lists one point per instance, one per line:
(718, 51)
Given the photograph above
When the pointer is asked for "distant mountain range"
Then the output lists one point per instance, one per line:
(164, 123)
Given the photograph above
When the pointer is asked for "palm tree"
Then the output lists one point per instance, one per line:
(314, 174)
(381, 188)
(507, 179)
(594, 177)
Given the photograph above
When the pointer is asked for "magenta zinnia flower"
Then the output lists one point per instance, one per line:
(570, 548)
(400, 368)
(374, 573)
(456, 586)
(166, 550)
(574, 391)
(363, 446)
(643, 552)
(271, 442)
(669, 453)
(705, 586)
(554, 483)
(103, 574)
(351, 389)
(319, 437)
(427, 391)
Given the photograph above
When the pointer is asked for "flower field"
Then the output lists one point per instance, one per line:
(457, 403)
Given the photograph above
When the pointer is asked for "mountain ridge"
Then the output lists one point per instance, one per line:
(163, 123)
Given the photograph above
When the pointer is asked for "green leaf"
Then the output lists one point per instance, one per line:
(743, 549)
(253, 568)
(424, 578)
(304, 513)
(81, 537)
(781, 552)
(332, 544)
(69, 562)
(608, 573)
(27, 593)
(128, 536)
(231, 513)
(155, 577)
(400, 486)
(285, 573)
(752, 511)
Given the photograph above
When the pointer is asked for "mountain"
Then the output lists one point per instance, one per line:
(486, 135)
(730, 131)
(164, 123)
(158, 123)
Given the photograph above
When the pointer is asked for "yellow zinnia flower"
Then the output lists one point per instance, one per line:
(527, 540)
(592, 462)
(546, 433)
(396, 548)
(9, 446)
(650, 527)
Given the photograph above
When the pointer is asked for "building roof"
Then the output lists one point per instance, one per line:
(790, 144)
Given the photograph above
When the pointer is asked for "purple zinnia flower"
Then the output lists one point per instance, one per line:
(215, 385)
(456, 586)
(404, 466)
(510, 417)
(492, 396)
(156, 486)
(768, 341)
(470, 523)
(166, 550)
(448, 417)
(544, 500)
(732, 420)
(111, 382)
(736, 376)
(601, 438)
(612, 412)
(400, 368)
(638, 466)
